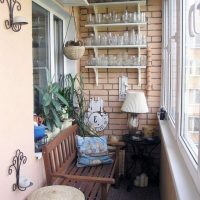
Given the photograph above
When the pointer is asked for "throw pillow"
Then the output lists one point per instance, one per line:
(92, 151)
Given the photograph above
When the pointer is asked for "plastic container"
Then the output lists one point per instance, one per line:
(39, 132)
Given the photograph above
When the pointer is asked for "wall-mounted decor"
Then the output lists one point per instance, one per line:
(15, 23)
(96, 116)
(21, 182)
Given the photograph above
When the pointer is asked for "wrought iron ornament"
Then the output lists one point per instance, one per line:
(16, 27)
(18, 159)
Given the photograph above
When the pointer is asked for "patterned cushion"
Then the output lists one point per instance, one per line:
(92, 151)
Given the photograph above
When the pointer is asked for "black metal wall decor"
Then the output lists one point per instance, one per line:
(15, 23)
(19, 159)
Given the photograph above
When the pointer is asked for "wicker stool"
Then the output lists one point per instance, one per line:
(57, 192)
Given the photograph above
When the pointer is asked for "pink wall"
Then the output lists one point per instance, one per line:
(16, 104)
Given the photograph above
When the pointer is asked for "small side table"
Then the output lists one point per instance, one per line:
(57, 192)
(140, 156)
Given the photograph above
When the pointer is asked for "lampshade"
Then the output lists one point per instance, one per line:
(135, 102)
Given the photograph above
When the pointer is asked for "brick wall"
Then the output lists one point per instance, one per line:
(109, 78)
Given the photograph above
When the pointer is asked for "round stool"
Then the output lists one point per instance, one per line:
(57, 192)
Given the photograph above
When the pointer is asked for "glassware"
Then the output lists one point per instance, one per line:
(114, 39)
(120, 40)
(98, 18)
(97, 39)
(104, 40)
(125, 16)
(143, 17)
(126, 38)
(104, 18)
(110, 17)
(135, 17)
(90, 19)
(132, 37)
(116, 18)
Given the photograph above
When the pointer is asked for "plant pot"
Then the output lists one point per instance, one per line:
(39, 132)
(66, 123)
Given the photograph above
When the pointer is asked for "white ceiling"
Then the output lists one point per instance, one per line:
(73, 2)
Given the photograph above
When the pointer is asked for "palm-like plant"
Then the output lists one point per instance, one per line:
(73, 91)
(52, 102)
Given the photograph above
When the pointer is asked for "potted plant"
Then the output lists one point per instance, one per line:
(72, 91)
(51, 103)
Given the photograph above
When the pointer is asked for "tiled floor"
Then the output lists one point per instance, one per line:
(147, 193)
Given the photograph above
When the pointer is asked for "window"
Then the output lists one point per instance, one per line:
(170, 59)
(190, 79)
(47, 34)
(181, 77)
(41, 49)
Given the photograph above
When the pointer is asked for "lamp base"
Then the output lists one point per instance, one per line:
(136, 134)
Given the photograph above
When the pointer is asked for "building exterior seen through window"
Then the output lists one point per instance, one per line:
(46, 56)
(191, 78)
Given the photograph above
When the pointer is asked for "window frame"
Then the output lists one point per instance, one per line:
(55, 9)
(192, 166)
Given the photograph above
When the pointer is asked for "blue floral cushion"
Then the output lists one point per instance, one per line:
(92, 151)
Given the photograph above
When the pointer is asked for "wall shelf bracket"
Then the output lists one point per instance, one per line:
(96, 76)
(139, 76)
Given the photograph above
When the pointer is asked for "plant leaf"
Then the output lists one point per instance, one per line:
(48, 124)
(56, 118)
(46, 110)
(56, 104)
(54, 87)
(46, 100)
(62, 99)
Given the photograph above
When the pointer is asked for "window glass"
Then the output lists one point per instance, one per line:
(191, 76)
(40, 45)
(173, 61)
(58, 47)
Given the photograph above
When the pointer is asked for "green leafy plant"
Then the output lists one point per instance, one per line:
(51, 103)
(72, 89)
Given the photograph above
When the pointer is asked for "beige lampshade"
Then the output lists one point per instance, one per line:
(135, 102)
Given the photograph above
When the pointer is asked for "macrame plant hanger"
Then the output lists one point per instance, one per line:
(73, 50)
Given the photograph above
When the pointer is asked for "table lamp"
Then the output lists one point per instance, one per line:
(135, 103)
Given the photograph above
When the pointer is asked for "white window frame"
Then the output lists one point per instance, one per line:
(192, 166)
(55, 9)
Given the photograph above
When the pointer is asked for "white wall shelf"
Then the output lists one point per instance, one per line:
(104, 4)
(98, 27)
(116, 47)
(96, 71)
(116, 67)
(141, 24)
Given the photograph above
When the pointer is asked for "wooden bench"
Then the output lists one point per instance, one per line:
(60, 157)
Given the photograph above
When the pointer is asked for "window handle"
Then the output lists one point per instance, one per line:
(190, 21)
(195, 17)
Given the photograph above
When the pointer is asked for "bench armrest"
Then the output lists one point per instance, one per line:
(85, 178)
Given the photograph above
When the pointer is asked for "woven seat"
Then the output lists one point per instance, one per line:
(57, 192)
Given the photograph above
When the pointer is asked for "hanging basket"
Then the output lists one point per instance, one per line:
(74, 50)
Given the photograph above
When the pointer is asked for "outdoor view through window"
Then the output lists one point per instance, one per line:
(191, 76)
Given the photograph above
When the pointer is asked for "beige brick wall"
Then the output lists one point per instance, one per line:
(108, 78)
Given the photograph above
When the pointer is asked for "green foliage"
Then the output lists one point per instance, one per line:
(72, 89)
(52, 102)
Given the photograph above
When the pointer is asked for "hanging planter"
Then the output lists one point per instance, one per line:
(73, 50)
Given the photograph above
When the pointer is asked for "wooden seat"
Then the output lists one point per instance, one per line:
(60, 157)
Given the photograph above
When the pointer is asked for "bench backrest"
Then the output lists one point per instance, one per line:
(59, 153)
